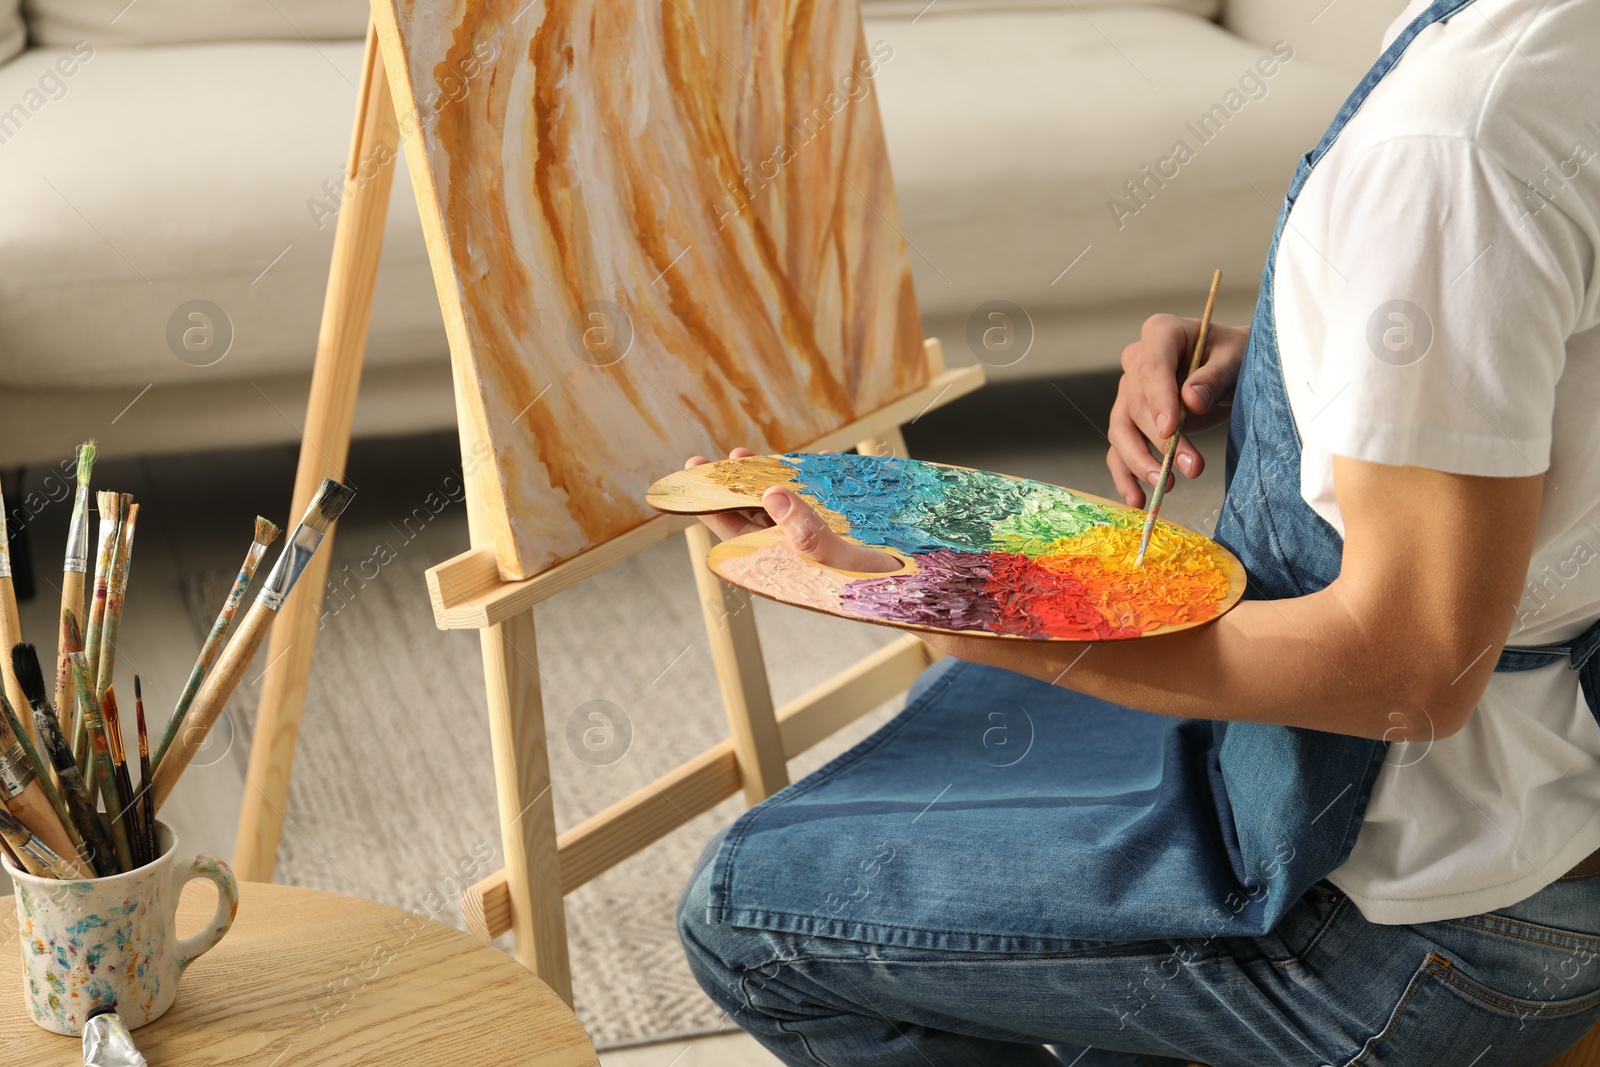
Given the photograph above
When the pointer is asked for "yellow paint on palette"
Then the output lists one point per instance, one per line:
(657, 229)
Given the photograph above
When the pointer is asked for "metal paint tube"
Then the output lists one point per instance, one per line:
(107, 1042)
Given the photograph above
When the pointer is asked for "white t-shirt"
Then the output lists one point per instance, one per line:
(1437, 305)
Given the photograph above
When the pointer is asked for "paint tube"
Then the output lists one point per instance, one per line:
(107, 1042)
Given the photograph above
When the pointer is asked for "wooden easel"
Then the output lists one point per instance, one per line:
(468, 592)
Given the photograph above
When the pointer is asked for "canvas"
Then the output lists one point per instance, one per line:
(657, 230)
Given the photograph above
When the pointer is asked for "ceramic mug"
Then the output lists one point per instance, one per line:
(112, 942)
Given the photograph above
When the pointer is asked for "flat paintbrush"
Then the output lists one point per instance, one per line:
(74, 572)
(57, 802)
(100, 760)
(126, 811)
(10, 624)
(45, 861)
(110, 505)
(116, 594)
(330, 500)
(93, 844)
(1177, 434)
(146, 797)
(25, 798)
(266, 533)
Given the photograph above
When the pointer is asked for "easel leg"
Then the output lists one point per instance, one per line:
(741, 675)
(335, 379)
(527, 809)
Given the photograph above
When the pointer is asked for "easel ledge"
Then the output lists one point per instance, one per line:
(468, 593)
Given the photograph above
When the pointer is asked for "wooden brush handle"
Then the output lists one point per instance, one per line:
(10, 634)
(213, 696)
(72, 584)
(33, 810)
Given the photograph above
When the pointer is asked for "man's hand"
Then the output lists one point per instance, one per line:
(810, 536)
(1146, 409)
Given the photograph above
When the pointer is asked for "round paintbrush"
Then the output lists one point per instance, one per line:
(99, 850)
(330, 500)
(100, 759)
(110, 505)
(266, 533)
(145, 799)
(74, 573)
(116, 595)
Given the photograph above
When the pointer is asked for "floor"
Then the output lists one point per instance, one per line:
(199, 510)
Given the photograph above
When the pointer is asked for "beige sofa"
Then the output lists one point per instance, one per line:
(172, 151)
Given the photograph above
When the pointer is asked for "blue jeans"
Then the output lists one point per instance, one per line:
(1512, 988)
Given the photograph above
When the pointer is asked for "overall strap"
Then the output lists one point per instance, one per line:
(1580, 651)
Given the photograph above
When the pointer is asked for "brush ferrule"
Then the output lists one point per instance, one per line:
(292, 561)
(16, 773)
(5, 560)
(78, 537)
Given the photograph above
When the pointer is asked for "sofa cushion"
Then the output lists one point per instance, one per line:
(13, 36)
(1029, 149)
(143, 22)
(224, 190)
(872, 9)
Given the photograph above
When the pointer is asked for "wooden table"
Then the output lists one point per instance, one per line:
(309, 979)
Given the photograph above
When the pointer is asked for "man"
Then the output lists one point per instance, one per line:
(1359, 826)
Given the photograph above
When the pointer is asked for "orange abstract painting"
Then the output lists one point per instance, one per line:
(657, 229)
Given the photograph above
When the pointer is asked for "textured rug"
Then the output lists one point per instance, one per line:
(393, 791)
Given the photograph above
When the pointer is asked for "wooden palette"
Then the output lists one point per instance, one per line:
(981, 553)
(656, 230)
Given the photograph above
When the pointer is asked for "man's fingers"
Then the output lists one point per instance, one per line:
(1133, 448)
(1128, 487)
(812, 538)
(1164, 343)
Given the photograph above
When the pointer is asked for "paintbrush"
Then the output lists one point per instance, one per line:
(10, 624)
(110, 505)
(46, 862)
(79, 813)
(146, 797)
(326, 505)
(116, 594)
(266, 533)
(1172, 445)
(74, 571)
(100, 851)
(100, 760)
(66, 685)
(5, 850)
(126, 812)
(25, 798)
(57, 800)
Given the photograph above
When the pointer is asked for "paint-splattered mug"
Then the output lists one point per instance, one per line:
(113, 941)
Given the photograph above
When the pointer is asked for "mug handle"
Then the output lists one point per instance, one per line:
(189, 949)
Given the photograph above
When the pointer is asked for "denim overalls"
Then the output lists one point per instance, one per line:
(999, 814)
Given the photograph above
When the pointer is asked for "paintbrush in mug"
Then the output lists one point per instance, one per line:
(15, 860)
(29, 847)
(145, 799)
(74, 573)
(97, 847)
(34, 753)
(100, 760)
(116, 594)
(41, 771)
(266, 533)
(1177, 434)
(110, 505)
(125, 812)
(10, 624)
(326, 505)
(24, 797)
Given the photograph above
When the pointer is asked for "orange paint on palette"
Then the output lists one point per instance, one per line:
(1183, 579)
